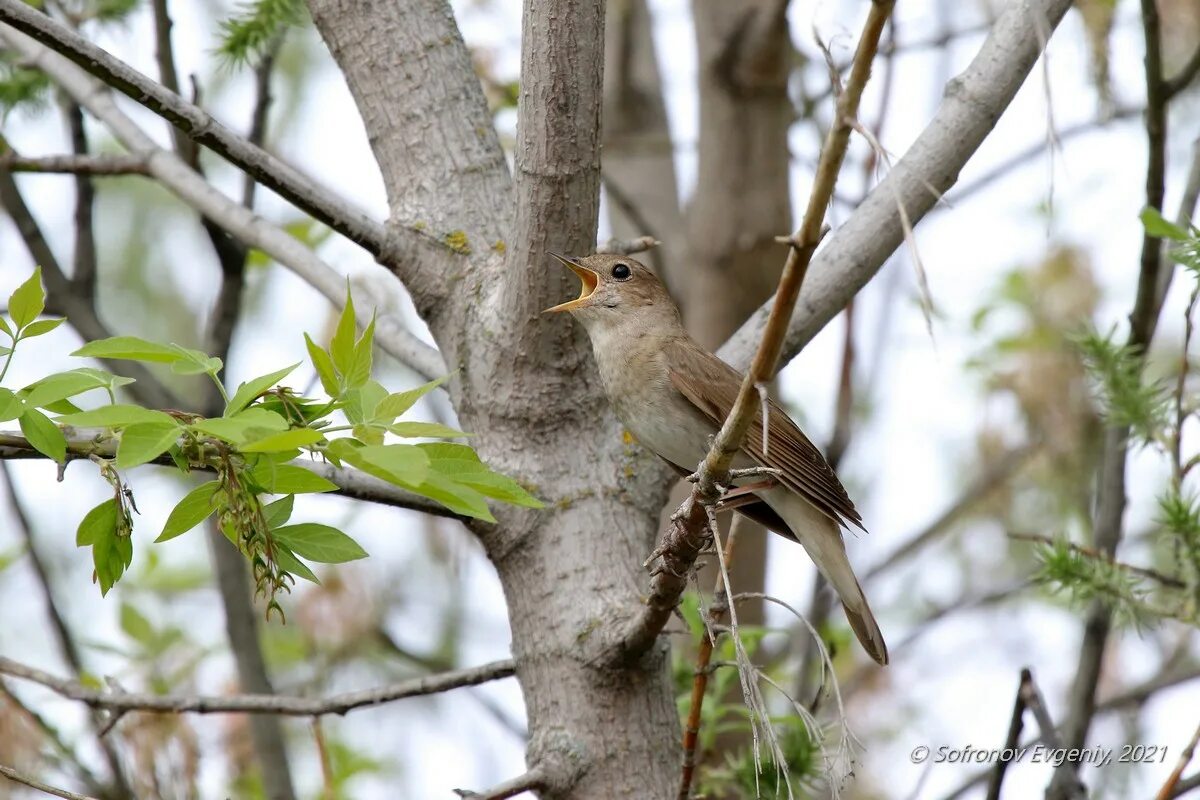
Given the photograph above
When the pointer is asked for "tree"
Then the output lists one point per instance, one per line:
(466, 235)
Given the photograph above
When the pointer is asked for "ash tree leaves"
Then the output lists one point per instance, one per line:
(252, 448)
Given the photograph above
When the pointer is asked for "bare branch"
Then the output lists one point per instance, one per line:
(281, 178)
(628, 247)
(859, 248)
(247, 226)
(1170, 787)
(533, 779)
(96, 166)
(17, 777)
(1184, 77)
(340, 704)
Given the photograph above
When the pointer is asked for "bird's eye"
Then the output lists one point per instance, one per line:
(622, 272)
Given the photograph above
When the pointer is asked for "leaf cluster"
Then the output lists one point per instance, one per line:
(252, 448)
(254, 29)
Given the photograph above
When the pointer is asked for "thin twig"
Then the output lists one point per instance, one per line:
(96, 166)
(261, 704)
(285, 180)
(533, 779)
(628, 247)
(691, 728)
(1170, 787)
(17, 777)
(1011, 740)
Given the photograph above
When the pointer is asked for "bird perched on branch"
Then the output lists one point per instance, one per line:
(673, 396)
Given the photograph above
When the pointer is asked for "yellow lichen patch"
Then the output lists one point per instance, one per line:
(457, 241)
(499, 246)
(627, 437)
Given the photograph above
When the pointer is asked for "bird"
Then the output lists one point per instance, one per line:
(673, 395)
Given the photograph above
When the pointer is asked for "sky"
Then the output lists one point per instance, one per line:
(906, 464)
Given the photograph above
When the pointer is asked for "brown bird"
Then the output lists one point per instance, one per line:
(673, 396)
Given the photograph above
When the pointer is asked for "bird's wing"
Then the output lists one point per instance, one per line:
(712, 386)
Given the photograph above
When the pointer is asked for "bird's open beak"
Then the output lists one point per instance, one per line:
(588, 279)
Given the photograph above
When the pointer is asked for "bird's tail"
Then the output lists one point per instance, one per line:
(822, 538)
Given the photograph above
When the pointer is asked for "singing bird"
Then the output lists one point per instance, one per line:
(673, 396)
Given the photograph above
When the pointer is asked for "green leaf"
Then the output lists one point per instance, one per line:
(1156, 225)
(396, 463)
(369, 434)
(111, 553)
(319, 543)
(289, 479)
(243, 426)
(131, 348)
(62, 385)
(6, 328)
(280, 442)
(10, 405)
(323, 364)
(394, 405)
(249, 390)
(28, 300)
(360, 368)
(136, 626)
(196, 363)
(100, 521)
(455, 496)
(286, 559)
(361, 400)
(41, 326)
(194, 508)
(145, 442)
(462, 465)
(341, 346)
(431, 430)
(44, 435)
(278, 513)
(116, 416)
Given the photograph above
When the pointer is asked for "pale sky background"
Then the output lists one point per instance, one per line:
(905, 464)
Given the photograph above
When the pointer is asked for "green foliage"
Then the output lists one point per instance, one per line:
(255, 28)
(252, 449)
(1083, 577)
(1156, 415)
(741, 776)
(723, 712)
(1126, 397)
(21, 87)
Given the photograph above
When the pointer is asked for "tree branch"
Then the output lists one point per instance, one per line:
(350, 483)
(17, 777)
(281, 178)
(96, 166)
(247, 226)
(339, 704)
(529, 781)
(859, 248)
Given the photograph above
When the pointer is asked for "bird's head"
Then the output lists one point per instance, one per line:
(617, 292)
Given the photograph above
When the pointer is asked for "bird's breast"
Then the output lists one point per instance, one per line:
(638, 385)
